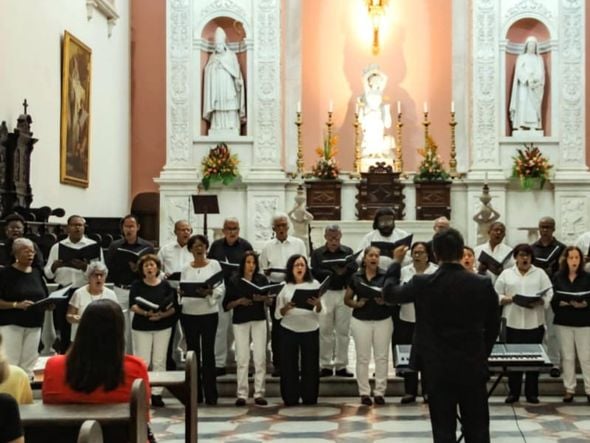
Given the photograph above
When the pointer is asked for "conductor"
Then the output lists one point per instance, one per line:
(457, 322)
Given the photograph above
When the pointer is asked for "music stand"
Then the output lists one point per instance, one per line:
(205, 204)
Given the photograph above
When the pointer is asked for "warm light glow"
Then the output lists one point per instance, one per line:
(377, 9)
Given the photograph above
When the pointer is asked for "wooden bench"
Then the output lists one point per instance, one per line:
(60, 423)
(90, 432)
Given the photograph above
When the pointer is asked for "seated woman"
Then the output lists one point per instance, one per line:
(11, 430)
(21, 286)
(95, 369)
(96, 272)
(14, 381)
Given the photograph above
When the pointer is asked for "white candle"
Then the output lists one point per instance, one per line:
(485, 180)
(452, 106)
(399, 107)
(331, 106)
(298, 106)
(425, 106)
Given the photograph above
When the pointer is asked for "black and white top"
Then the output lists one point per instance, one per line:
(371, 310)
(297, 319)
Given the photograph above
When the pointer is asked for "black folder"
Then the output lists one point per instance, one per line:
(493, 265)
(387, 248)
(55, 297)
(128, 255)
(87, 253)
(552, 256)
(369, 292)
(250, 288)
(194, 289)
(151, 306)
(527, 301)
(300, 296)
(229, 268)
(175, 276)
(350, 258)
(573, 296)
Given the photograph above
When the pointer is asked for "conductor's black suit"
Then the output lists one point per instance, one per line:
(457, 322)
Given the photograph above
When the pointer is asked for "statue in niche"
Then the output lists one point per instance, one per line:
(375, 116)
(224, 104)
(527, 89)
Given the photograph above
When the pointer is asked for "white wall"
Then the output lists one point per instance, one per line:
(31, 32)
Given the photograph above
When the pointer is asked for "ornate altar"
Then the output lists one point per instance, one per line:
(433, 200)
(380, 187)
(323, 199)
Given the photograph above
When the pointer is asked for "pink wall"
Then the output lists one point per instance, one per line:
(415, 54)
(148, 93)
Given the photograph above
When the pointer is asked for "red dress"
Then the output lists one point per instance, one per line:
(56, 390)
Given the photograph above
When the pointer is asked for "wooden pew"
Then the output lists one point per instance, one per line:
(90, 432)
(60, 423)
(183, 385)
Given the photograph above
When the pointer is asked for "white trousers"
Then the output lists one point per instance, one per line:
(334, 331)
(574, 340)
(21, 346)
(223, 337)
(151, 346)
(372, 335)
(244, 333)
(550, 339)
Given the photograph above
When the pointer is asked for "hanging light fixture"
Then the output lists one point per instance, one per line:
(376, 13)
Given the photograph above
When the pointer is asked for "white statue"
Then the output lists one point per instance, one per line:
(224, 96)
(527, 89)
(301, 217)
(375, 116)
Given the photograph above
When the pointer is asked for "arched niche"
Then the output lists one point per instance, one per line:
(516, 36)
(237, 42)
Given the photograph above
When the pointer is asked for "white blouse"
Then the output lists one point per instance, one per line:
(82, 298)
(512, 282)
(499, 253)
(407, 311)
(207, 305)
(298, 319)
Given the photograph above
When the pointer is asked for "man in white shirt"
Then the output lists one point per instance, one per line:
(70, 273)
(174, 257)
(275, 254)
(495, 247)
(384, 230)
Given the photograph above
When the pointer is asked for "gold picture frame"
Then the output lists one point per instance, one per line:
(75, 112)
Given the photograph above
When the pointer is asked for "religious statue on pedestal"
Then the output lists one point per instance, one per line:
(224, 104)
(301, 217)
(528, 88)
(485, 216)
(375, 117)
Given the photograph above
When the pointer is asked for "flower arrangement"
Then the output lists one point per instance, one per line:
(531, 167)
(431, 167)
(220, 165)
(326, 166)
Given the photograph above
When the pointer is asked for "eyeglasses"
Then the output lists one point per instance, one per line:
(281, 225)
(419, 253)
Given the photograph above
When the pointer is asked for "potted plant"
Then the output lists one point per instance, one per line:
(323, 192)
(530, 167)
(433, 185)
(219, 166)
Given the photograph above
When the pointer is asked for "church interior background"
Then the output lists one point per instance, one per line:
(443, 68)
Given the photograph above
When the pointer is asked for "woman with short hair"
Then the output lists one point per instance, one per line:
(21, 285)
(96, 273)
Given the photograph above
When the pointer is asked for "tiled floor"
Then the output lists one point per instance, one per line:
(344, 420)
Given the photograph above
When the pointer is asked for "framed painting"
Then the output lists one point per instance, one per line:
(75, 111)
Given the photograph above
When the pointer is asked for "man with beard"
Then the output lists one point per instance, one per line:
(384, 230)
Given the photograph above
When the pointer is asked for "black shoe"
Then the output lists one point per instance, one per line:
(379, 400)
(407, 399)
(568, 398)
(344, 373)
(260, 401)
(241, 402)
(325, 372)
(555, 372)
(511, 399)
(220, 372)
(533, 400)
(211, 402)
(366, 400)
(157, 401)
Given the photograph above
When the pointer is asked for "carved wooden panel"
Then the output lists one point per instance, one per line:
(433, 200)
(323, 199)
(380, 188)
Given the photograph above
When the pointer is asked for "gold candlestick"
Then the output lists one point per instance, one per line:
(300, 166)
(356, 165)
(398, 164)
(426, 124)
(453, 159)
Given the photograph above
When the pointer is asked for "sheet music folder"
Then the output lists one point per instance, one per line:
(300, 296)
(205, 204)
